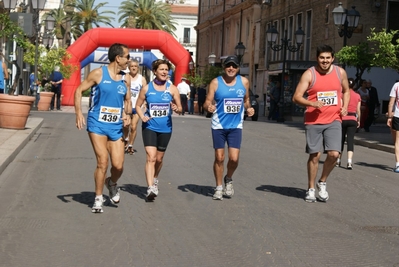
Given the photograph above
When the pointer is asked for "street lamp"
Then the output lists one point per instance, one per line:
(9, 4)
(37, 5)
(240, 50)
(346, 21)
(272, 35)
(212, 59)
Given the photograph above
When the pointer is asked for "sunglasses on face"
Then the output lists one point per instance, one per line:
(127, 57)
(231, 65)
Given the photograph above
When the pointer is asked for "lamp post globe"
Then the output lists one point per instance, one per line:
(212, 59)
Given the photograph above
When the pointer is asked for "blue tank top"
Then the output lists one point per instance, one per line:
(158, 109)
(107, 102)
(229, 100)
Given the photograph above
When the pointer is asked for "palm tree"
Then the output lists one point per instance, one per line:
(87, 14)
(146, 14)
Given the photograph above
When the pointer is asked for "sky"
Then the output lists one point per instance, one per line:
(113, 5)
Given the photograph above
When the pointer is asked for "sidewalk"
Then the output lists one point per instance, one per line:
(12, 141)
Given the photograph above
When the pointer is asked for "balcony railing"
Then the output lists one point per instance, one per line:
(187, 41)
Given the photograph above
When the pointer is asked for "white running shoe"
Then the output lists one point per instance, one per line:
(152, 193)
(310, 195)
(114, 195)
(323, 194)
(98, 205)
(218, 195)
(229, 190)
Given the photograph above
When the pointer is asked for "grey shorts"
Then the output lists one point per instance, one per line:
(327, 135)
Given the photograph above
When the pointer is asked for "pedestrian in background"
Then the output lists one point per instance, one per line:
(184, 90)
(201, 95)
(161, 98)
(393, 120)
(326, 86)
(56, 80)
(364, 108)
(106, 119)
(274, 100)
(373, 105)
(350, 123)
(191, 99)
(227, 121)
(3, 76)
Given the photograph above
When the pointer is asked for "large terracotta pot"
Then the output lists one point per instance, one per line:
(45, 100)
(14, 111)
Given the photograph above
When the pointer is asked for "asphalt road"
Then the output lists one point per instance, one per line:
(46, 195)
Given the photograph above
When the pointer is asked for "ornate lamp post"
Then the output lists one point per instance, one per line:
(212, 59)
(240, 50)
(272, 35)
(346, 21)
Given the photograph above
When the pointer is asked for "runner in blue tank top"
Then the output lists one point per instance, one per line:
(105, 120)
(162, 98)
(230, 93)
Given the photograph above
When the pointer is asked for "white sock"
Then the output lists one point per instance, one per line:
(219, 187)
(349, 160)
(338, 160)
(397, 164)
(155, 180)
(100, 197)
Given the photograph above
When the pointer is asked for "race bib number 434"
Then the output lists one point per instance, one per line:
(109, 114)
(158, 110)
(329, 98)
(232, 105)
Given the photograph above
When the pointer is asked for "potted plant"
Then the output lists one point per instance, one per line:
(45, 96)
(14, 109)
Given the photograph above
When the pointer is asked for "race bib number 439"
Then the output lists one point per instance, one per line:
(158, 110)
(329, 98)
(109, 114)
(232, 105)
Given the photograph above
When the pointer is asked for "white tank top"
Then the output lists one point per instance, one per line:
(135, 87)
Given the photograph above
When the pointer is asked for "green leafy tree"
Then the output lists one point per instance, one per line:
(48, 59)
(381, 50)
(11, 30)
(194, 78)
(211, 72)
(147, 14)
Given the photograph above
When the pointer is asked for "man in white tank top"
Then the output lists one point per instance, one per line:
(137, 82)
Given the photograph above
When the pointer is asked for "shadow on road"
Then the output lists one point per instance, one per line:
(283, 190)
(134, 189)
(86, 198)
(204, 190)
(378, 166)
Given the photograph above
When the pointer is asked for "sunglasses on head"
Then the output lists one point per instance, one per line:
(228, 65)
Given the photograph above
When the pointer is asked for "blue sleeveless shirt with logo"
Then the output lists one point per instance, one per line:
(229, 100)
(158, 109)
(107, 102)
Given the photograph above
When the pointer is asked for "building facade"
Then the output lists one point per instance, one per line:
(222, 24)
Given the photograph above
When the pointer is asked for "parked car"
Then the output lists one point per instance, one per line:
(254, 104)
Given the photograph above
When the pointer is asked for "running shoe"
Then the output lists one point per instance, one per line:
(156, 181)
(310, 195)
(229, 190)
(152, 193)
(218, 195)
(349, 166)
(114, 195)
(323, 194)
(98, 205)
(396, 169)
(338, 164)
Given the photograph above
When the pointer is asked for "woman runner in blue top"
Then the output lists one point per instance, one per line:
(105, 120)
(162, 98)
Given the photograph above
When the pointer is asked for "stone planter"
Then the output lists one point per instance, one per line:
(14, 111)
(45, 100)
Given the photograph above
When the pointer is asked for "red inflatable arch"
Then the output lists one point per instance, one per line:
(133, 38)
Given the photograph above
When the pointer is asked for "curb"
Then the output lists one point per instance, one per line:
(18, 138)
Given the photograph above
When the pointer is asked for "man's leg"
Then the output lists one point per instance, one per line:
(59, 99)
(133, 130)
(328, 165)
(52, 102)
(99, 143)
(313, 166)
(218, 167)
